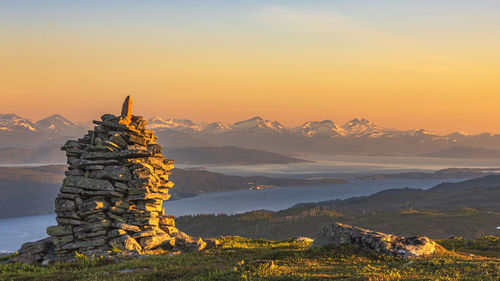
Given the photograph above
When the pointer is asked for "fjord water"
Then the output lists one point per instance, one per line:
(15, 231)
(349, 166)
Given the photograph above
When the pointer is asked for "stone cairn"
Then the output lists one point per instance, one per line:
(112, 195)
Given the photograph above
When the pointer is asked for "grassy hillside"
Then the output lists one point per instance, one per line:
(436, 213)
(307, 221)
(246, 259)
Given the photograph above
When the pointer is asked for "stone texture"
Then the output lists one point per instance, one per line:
(59, 230)
(126, 243)
(88, 183)
(127, 108)
(338, 234)
(34, 252)
(117, 173)
(151, 242)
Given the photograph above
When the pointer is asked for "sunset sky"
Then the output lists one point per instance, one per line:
(431, 64)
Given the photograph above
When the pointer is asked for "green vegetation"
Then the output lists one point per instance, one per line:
(307, 220)
(246, 259)
(469, 209)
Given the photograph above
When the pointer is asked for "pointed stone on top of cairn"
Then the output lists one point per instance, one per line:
(127, 108)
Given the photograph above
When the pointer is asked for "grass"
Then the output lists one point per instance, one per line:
(259, 259)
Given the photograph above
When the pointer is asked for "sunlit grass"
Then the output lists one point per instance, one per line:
(258, 259)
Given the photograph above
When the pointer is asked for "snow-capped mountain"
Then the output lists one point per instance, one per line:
(362, 127)
(217, 128)
(320, 128)
(356, 128)
(14, 123)
(16, 131)
(254, 125)
(56, 124)
(159, 124)
(258, 125)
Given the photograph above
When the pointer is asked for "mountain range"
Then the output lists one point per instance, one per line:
(310, 129)
(358, 136)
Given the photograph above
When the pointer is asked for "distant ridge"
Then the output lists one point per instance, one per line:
(465, 152)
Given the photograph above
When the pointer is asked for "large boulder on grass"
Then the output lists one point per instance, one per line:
(338, 234)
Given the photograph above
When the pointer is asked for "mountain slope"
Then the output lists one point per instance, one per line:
(56, 125)
(436, 213)
(45, 154)
(465, 152)
(258, 125)
(325, 128)
(12, 123)
(227, 155)
(489, 181)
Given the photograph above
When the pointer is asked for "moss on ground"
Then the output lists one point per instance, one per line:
(258, 259)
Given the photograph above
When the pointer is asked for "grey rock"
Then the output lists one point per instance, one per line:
(125, 242)
(88, 183)
(118, 173)
(64, 221)
(124, 226)
(85, 244)
(95, 204)
(81, 163)
(63, 239)
(64, 205)
(151, 242)
(59, 230)
(38, 247)
(84, 235)
(73, 173)
(94, 167)
(118, 139)
(71, 190)
(338, 234)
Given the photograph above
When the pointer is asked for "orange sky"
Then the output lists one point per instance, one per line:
(403, 69)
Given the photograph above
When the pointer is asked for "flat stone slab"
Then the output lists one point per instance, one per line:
(338, 234)
(88, 183)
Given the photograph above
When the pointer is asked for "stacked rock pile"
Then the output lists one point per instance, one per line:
(113, 192)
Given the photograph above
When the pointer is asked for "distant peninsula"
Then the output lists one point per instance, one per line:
(27, 191)
(213, 155)
(451, 173)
